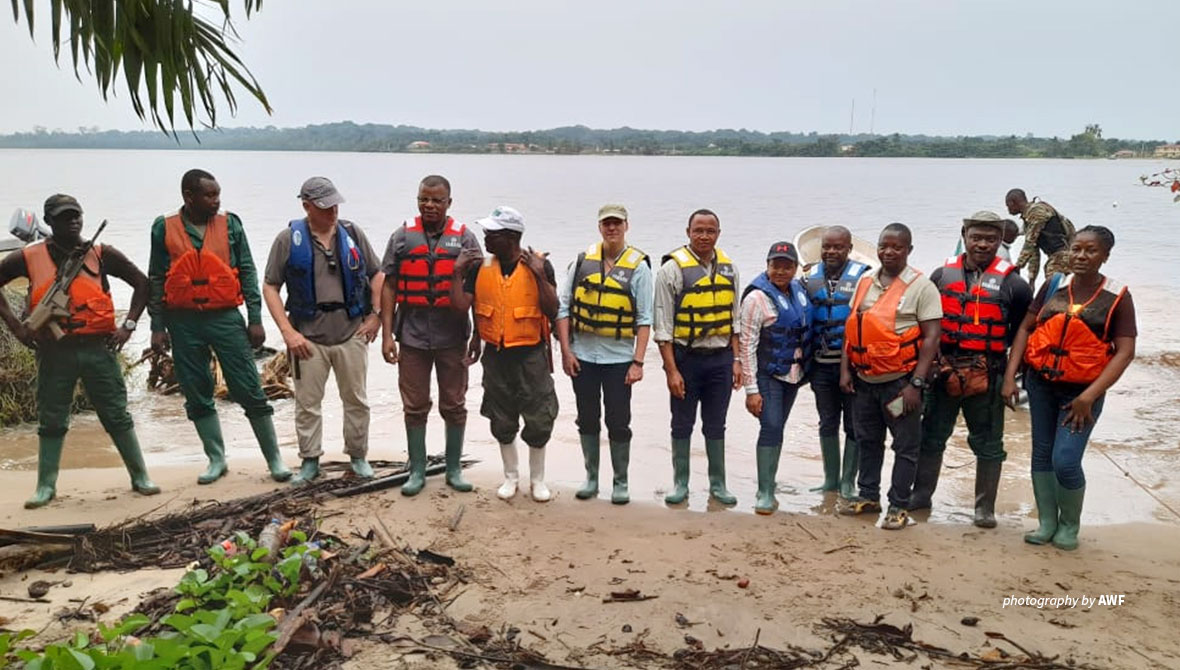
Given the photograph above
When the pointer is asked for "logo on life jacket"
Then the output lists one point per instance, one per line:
(605, 305)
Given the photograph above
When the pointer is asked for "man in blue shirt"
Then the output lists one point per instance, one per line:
(603, 324)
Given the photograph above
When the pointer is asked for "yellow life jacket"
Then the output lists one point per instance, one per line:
(706, 301)
(603, 305)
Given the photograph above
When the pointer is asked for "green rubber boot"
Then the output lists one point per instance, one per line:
(1045, 493)
(309, 471)
(360, 467)
(680, 470)
(1069, 516)
(454, 459)
(48, 460)
(590, 454)
(766, 456)
(987, 483)
(830, 448)
(127, 444)
(620, 460)
(268, 442)
(416, 447)
(715, 450)
(209, 430)
(850, 469)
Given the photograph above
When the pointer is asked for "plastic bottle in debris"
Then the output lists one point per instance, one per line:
(271, 539)
(309, 559)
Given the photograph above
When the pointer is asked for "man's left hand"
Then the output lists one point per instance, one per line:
(257, 335)
(634, 374)
(118, 339)
(738, 379)
(912, 397)
(535, 260)
(369, 328)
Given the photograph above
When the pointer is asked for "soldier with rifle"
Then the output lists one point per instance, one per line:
(72, 326)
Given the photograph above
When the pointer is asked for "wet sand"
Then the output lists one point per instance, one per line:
(528, 561)
(1112, 497)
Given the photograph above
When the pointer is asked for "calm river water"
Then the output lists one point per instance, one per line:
(759, 201)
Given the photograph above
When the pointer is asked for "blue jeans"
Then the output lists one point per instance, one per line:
(1055, 447)
(777, 399)
(708, 383)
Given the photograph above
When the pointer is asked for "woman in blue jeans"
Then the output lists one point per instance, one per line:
(774, 342)
(1075, 343)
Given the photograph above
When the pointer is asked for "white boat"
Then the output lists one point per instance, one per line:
(810, 240)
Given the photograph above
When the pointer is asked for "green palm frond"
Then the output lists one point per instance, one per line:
(163, 47)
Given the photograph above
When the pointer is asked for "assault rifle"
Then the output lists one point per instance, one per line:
(56, 301)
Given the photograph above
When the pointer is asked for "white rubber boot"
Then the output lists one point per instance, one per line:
(511, 471)
(537, 475)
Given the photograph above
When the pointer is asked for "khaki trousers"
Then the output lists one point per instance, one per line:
(349, 361)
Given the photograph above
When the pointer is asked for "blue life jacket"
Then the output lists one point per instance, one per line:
(790, 330)
(300, 275)
(829, 310)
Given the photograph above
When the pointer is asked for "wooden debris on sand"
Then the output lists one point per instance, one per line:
(275, 373)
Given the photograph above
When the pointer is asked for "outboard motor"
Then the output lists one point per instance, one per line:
(26, 226)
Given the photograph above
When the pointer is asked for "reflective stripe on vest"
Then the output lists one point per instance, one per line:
(790, 332)
(200, 279)
(704, 306)
(1071, 342)
(830, 311)
(974, 318)
(604, 305)
(92, 312)
(508, 309)
(299, 274)
(873, 346)
(424, 274)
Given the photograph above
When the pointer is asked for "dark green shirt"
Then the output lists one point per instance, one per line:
(239, 257)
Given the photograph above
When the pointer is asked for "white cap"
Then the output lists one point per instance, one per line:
(503, 218)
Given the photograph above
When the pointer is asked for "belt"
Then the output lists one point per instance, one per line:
(702, 351)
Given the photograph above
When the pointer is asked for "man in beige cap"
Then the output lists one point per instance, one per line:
(603, 324)
(984, 300)
(328, 321)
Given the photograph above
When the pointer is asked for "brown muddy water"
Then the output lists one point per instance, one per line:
(1129, 464)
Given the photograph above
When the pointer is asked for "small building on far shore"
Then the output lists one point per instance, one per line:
(1123, 153)
(420, 145)
(1167, 151)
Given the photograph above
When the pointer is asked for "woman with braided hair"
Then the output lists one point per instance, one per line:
(1078, 338)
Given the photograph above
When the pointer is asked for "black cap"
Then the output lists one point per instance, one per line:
(60, 202)
(783, 250)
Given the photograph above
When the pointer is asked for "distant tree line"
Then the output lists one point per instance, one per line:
(349, 136)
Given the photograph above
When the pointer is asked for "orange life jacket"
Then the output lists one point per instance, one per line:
(974, 318)
(1071, 342)
(508, 309)
(91, 310)
(424, 275)
(200, 279)
(872, 346)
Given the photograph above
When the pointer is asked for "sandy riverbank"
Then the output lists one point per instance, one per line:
(529, 561)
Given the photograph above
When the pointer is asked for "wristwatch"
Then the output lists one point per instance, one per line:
(918, 382)
(129, 325)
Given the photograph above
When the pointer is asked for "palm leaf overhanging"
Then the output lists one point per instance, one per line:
(164, 47)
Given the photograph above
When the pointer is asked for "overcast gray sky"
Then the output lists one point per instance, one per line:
(939, 66)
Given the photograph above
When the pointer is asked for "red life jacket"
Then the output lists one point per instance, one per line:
(1071, 342)
(424, 275)
(870, 339)
(200, 279)
(974, 318)
(91, 310)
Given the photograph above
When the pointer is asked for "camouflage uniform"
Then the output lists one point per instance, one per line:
(1045, 229)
